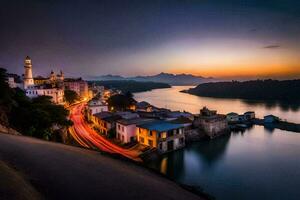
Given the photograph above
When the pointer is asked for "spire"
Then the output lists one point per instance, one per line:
(27, 58)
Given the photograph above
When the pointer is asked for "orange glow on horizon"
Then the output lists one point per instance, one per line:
(240, 71)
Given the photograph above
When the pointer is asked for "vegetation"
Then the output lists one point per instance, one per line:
(120, 102)
(70, 96)
(131, 86)
(38, 117)
(288, 90)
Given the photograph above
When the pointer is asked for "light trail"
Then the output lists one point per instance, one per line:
(89, 138)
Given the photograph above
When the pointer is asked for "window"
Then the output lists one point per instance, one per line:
(142, 140)
(140, 130)
(119, 127)
(160, 146)
(122, 128)
(150, 142)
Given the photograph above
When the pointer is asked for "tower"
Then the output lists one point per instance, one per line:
(28, 79)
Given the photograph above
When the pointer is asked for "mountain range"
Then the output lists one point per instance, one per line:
(172, 79)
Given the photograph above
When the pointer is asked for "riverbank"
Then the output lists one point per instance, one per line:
(60, 171)
(282, 125)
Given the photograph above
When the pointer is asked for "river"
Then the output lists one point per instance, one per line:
(256, 164)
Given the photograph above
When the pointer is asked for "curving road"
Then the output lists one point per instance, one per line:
(89, 138)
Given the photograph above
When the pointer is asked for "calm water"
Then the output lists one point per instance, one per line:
(256, 164)
(172, 99)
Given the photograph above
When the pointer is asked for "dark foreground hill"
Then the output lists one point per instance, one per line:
(58, 171)
(288, 90)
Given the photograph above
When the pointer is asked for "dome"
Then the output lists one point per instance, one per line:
(27, 58)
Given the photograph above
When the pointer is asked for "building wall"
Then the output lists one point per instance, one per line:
(98, 109)
(161, 140)
(178, 140)
(125, 132)
(232, 118)
(144, 136)
(56, 94)
(214, 128)
(80, 87)
(102, 125)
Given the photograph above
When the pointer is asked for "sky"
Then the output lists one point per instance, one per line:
(218, 38)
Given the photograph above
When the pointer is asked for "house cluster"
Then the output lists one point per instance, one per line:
(233, 117)
(147, 125)
(53, 85)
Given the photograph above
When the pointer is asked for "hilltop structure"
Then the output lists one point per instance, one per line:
(47, 88)
(28, 78)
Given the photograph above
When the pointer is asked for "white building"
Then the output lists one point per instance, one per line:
(28, 78)
(96, 106)
(32, 90)
(232, 117)
(57, 94)
(126, 129)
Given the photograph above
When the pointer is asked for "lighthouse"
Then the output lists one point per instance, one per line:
(28, 79)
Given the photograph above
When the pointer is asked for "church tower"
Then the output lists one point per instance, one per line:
(28, 79)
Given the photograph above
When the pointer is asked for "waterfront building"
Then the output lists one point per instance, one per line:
(162, 135)
(249, 115)
(211, 123)
(126, 129)
(232, 117)
(271, 119)
(77, 85)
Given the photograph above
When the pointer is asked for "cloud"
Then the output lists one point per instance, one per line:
(272, 47)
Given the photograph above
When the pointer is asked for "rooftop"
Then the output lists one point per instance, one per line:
(181, 120)
(103, 115)
(160, 126)
(134, 121)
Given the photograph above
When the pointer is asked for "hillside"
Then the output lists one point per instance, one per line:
(59, 171)
(288, 90)
(172, 79)
(131, 86)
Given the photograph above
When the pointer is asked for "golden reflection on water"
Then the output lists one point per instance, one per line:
(164, 165)
(173, 99)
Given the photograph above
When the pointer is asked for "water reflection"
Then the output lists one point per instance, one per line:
(212, 150)
(256, 163)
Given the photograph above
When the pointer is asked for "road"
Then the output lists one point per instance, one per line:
(89, 138)
(59, 171)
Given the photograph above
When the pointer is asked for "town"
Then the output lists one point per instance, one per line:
(111, 121)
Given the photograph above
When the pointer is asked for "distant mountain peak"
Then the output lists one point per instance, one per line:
(163, 77)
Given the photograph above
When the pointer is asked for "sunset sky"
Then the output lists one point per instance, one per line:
(229, 39)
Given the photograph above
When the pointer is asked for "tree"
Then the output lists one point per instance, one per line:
(71, 96)
(120, 102)
(6, 101)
